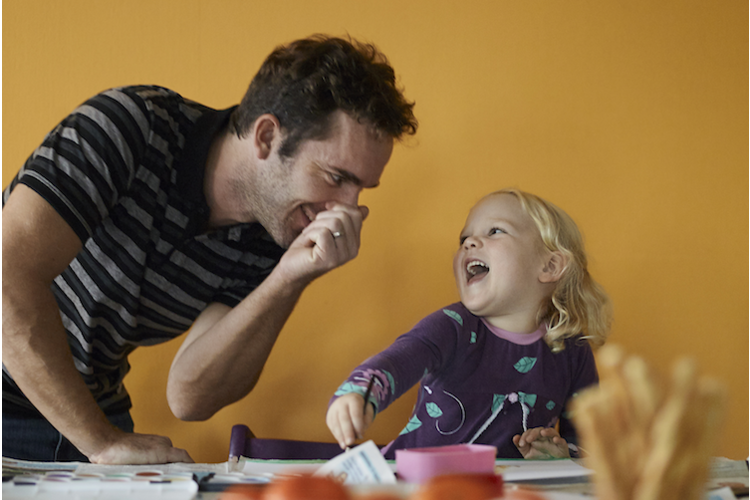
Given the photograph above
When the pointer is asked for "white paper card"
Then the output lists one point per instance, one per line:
(530, 470)
(721, 494)
(361, 465)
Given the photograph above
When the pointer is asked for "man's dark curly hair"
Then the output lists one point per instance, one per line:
(304, 82)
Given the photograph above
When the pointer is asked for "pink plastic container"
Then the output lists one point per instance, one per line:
(416, 465)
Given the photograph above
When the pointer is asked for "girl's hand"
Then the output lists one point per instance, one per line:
(347, 420)
(541, 443)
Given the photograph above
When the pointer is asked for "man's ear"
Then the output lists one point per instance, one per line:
(266, 135)
(554, 267)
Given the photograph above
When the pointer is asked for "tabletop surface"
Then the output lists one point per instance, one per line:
(556, 479)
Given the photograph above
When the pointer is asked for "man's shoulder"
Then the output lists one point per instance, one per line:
(150, 99)
(144, 91)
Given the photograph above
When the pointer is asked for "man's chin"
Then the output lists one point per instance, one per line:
(285, 238)
(284, 234)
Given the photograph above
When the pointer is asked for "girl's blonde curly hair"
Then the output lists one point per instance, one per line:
(579, 305)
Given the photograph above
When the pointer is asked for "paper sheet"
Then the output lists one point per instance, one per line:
(279, 467)
(363, 464)
(10, 464)
(533, 470)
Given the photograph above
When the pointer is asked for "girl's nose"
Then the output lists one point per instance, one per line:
(471, 242)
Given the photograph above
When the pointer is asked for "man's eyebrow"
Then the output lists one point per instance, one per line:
(350, 177)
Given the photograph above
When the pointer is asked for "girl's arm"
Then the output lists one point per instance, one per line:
(584, 375)
(424, 350)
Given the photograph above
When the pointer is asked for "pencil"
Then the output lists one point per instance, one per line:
(367, 393)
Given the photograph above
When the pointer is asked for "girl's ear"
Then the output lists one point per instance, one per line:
(554, 267)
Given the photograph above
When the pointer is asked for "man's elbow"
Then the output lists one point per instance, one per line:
(187, 408)
(192, 406)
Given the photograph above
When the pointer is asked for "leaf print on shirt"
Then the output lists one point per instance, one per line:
(529, 399)
(524, 365)
(433, 410)
(413, 425)
(348, 387)
(497, 401)
(473, 338)
(550, 405)
(391, 381)
(454, 315)
(381, 391)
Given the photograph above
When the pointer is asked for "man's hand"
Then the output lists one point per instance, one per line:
(127, 448)
(541, 443)
(328, 242)
(346, 419)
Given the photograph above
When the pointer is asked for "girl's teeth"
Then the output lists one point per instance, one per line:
(476, 267)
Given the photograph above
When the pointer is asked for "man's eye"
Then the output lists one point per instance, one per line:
(336, 178)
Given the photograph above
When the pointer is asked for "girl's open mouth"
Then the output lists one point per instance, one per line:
(476, 270)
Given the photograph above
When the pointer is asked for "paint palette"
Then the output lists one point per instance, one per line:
(59, 485)
(220, 482)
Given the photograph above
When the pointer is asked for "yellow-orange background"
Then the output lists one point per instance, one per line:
(632, 116)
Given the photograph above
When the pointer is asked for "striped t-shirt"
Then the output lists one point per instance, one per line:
(125, 170)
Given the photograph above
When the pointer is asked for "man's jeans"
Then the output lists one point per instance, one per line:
(35, 439)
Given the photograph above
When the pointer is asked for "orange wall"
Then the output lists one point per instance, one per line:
(630, 115)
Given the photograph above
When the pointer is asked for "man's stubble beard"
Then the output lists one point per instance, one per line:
(266, 199)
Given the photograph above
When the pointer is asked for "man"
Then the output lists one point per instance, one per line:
(143, 215)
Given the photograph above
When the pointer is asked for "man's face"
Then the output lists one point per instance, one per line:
(294, 190)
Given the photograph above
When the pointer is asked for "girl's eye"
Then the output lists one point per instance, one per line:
(496, 230)
(461, 240)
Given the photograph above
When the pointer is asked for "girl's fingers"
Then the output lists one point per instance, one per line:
(347, 429)
(356, 417)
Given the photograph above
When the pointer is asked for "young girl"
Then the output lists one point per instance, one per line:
(500, 366)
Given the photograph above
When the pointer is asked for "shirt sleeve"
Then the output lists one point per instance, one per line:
(583, 368)
(89, 160)
(427, 348)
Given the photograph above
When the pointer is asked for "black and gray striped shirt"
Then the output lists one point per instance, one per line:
(125, 170)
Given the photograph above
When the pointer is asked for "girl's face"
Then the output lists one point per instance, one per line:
(500, 263)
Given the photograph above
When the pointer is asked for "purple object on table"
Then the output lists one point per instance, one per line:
(244, 444)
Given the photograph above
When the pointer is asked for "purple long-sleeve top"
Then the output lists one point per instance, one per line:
(478, 383)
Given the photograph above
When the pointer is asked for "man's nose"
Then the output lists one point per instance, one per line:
(349, 195)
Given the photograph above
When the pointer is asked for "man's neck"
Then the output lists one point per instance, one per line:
(219, 163)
